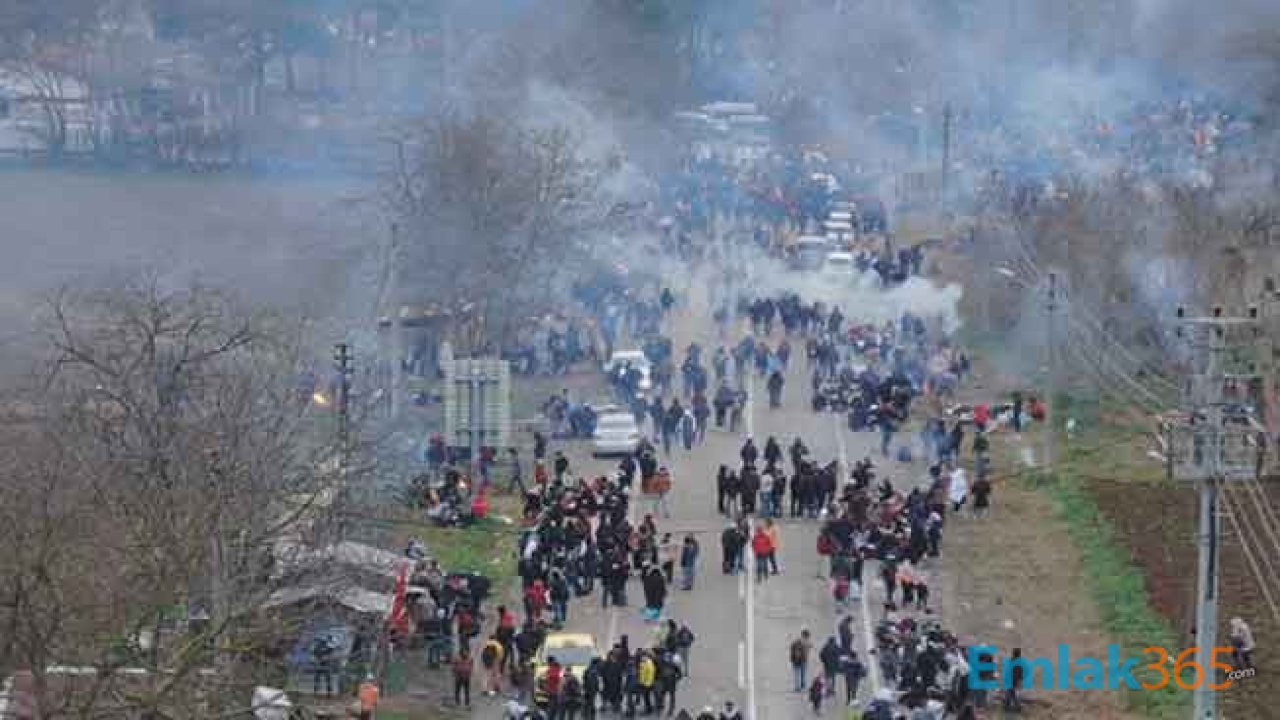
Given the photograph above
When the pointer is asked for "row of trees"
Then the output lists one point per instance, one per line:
(151, 464)
(177, 79)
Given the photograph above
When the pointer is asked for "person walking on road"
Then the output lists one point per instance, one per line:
(517, 474)
(668, 556)
(774, 385)
(722, 490)
(684, 644)
(491, 660)
(646, 679)
(853, 670)
(721, 403)
(661, 486)
(761, 546)
(701, 412)
(981, 496)
(592, 679)
(772, 452)
(829, 656)
(571, 697)
(462, 678)
(958, 489)
(775, 544)
(731, 544)
(688, 562)
(799, 652)
(1013, 684)
(669, 675)
(817, 692)
(655, 592)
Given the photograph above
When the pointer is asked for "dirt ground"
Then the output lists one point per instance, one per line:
(1014, 578)
(1159, 529)
(1015, 581)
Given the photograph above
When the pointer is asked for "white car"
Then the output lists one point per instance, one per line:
(839, 266)
(809, 251)
(616, 434)
(637, 360)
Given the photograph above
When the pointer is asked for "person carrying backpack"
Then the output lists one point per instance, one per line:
(571, 697)
(799, 657)
(684, 642)
(853, 670)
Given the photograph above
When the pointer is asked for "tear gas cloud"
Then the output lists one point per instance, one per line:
(868, 80)
(861, 298)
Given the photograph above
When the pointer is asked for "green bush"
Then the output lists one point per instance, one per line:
(1118, 587)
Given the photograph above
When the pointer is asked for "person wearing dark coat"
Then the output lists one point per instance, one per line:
(829, 656)
(722, 402)
(749, 453)
(722, 489)
(655, 591)
(772, 452)
(731, 543)
(611, 671)
(853, 670)
(750, 480)
(592, 684)
(774, 385)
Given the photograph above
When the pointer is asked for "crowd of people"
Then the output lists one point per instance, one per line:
(578, 542)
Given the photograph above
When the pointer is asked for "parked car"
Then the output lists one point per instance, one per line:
(636, 359)
(573, 651)
(616, 434)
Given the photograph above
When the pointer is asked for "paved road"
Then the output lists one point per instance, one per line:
(743, 628)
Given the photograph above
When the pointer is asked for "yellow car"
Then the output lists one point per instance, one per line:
(573, 651)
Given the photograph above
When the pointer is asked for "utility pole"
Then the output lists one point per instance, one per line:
(946, 147)
(342, 407)
(1210, 448)
(1051, 384)
(1269, 352)
(342, 365)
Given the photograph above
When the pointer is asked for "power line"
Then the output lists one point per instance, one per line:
(1253, 562)
(1270, 522)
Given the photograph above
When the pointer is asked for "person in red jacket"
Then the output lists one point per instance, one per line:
(761, 547)
(981, 416)
(553, 681)
(535, 600)
(480, 504)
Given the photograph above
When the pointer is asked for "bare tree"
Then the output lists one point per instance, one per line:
(166, 452)
(492, 213)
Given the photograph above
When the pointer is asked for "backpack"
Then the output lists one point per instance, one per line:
(797, 653)
(825, 545)
(841, 589)
(489, 655)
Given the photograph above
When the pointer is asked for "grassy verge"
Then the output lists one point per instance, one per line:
(1119, 589)
(487, 547)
